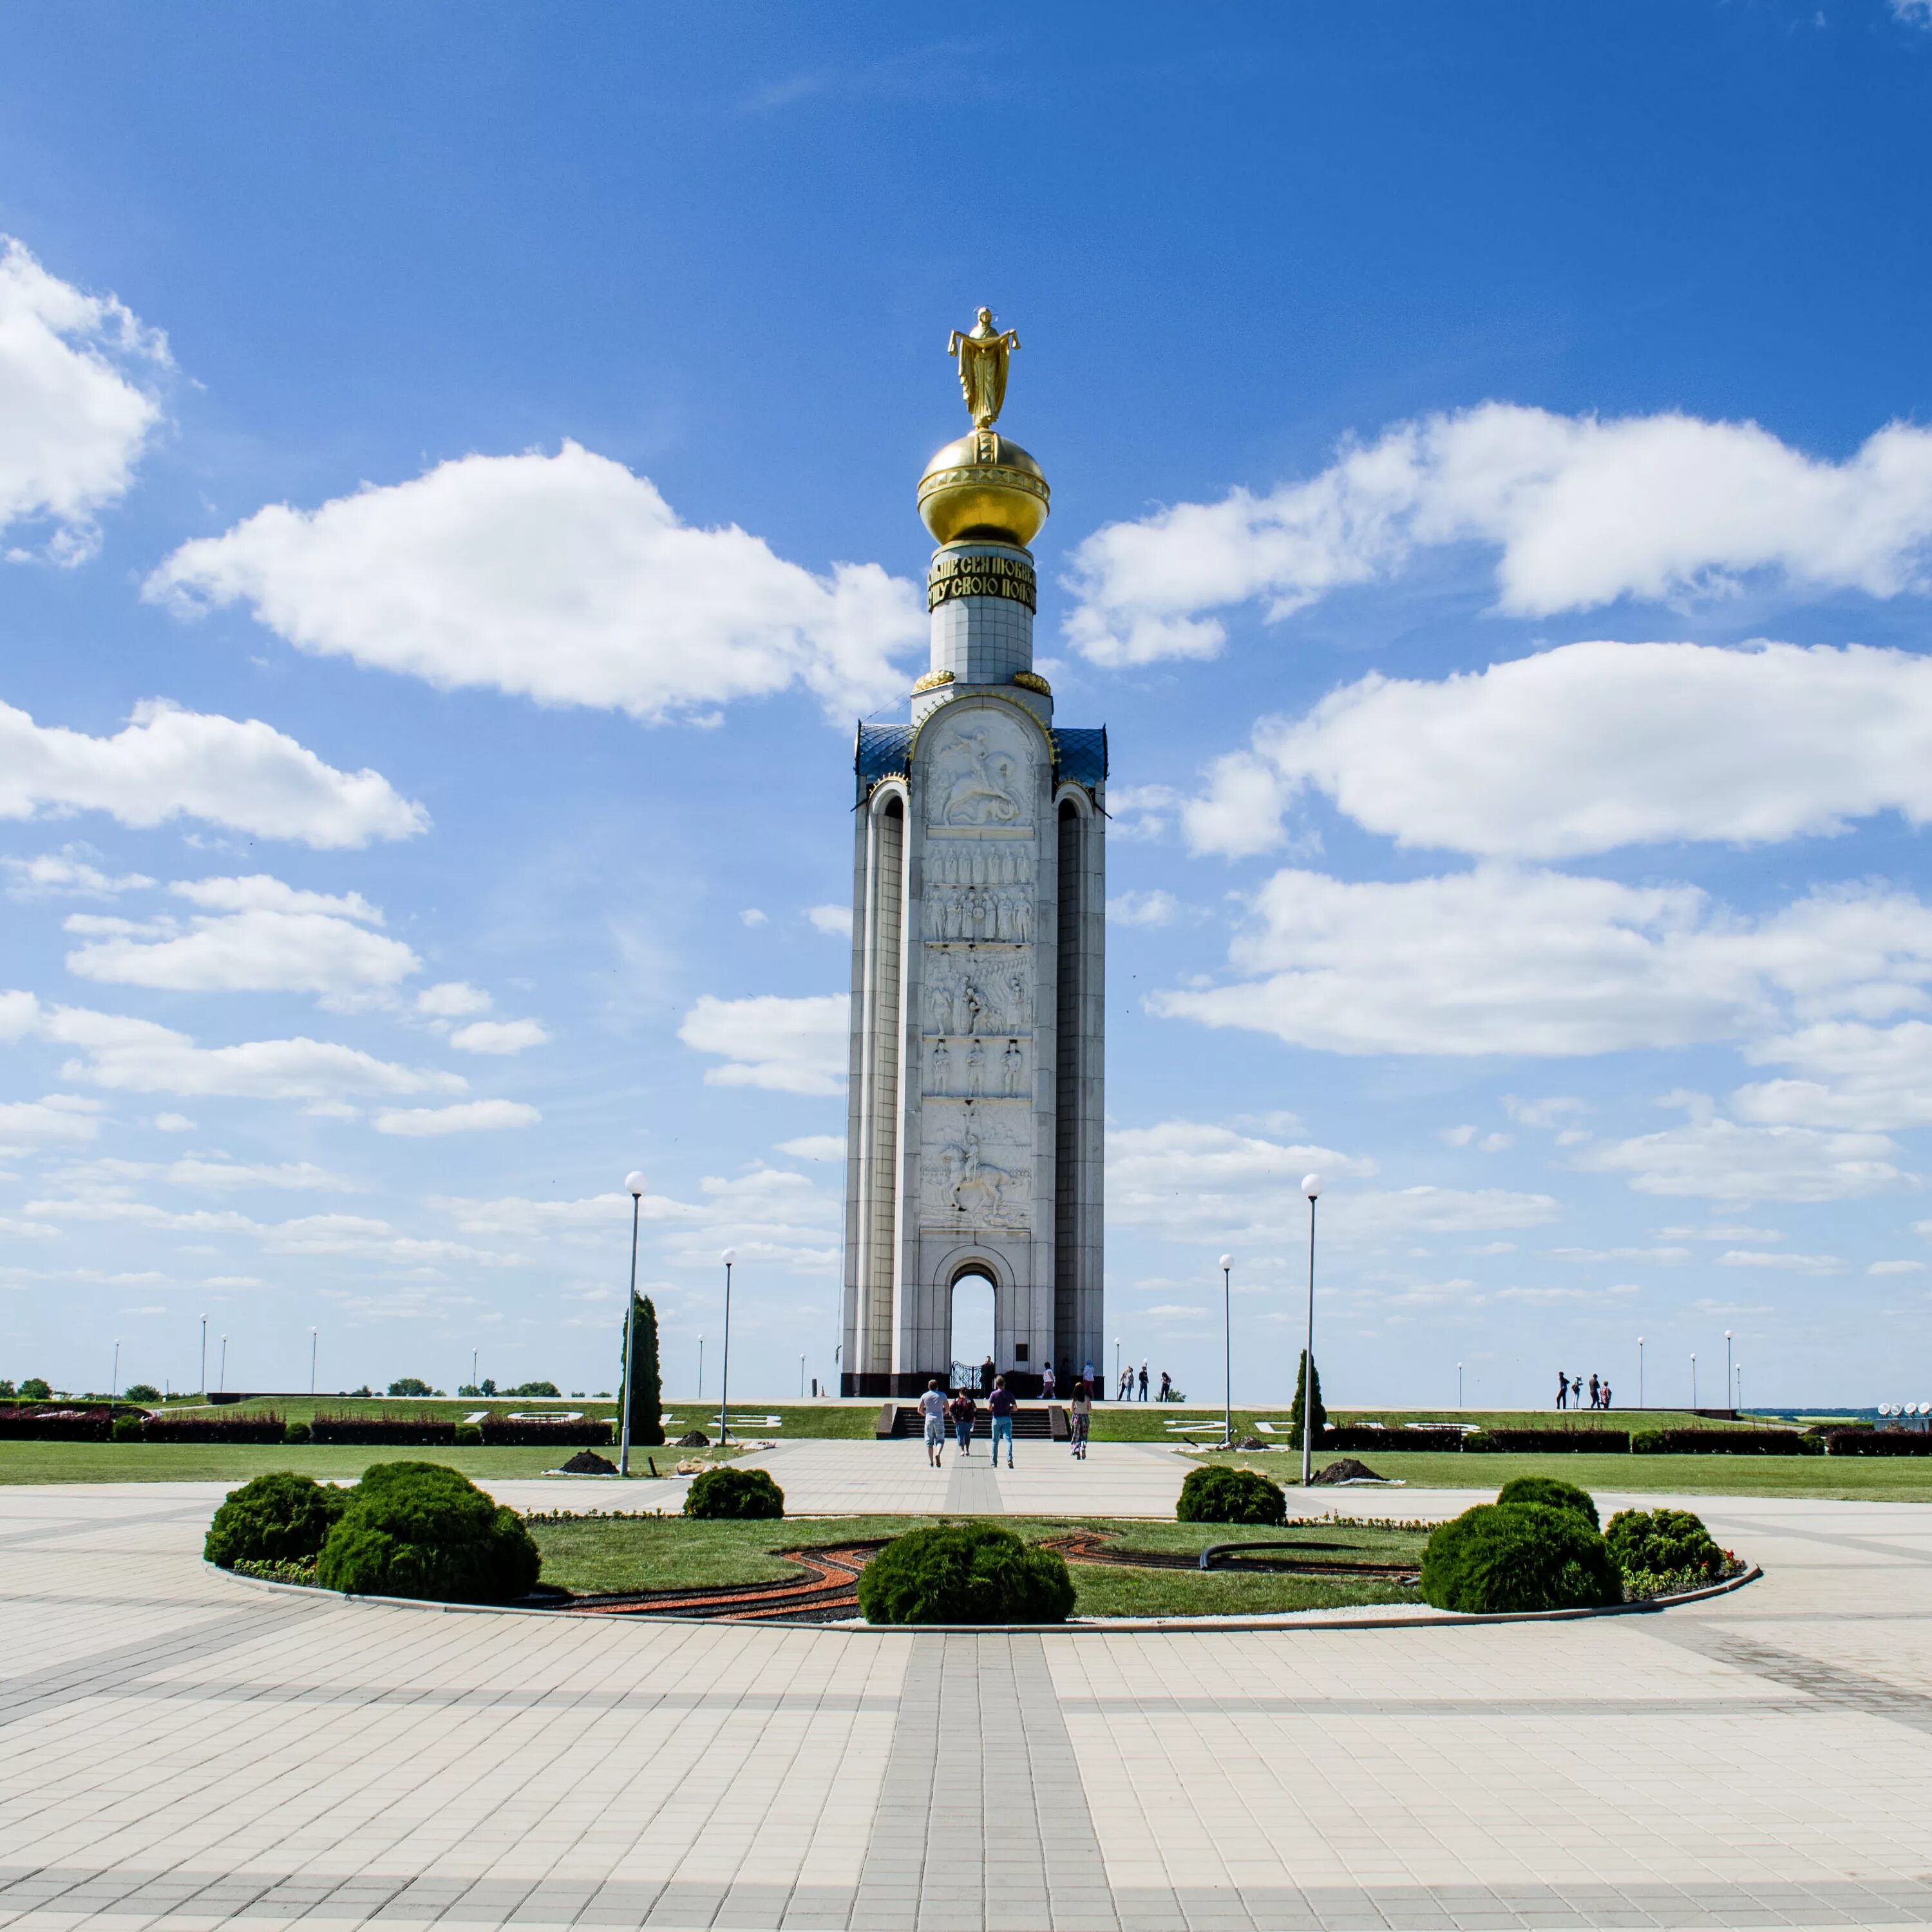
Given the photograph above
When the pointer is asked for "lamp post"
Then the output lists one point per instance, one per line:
(1737, 1389)
(1311, 1186)
(474, 1385)
(1459, 1384)
(730, 1256)
(1117, 1365)
(1227, 1350)
(801, 1376)
(633, 1186)
(311, 1361)
(221, 1376)
(1694, 1382)
(700, 1368)
(1728, 1377)
(1639, 1372)
(114, 1383)
(204, 1358)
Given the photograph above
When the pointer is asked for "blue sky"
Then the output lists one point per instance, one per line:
(457, 482)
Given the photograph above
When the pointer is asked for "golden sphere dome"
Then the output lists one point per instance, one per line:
(984, 485)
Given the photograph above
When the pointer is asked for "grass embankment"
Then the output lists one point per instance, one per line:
(236, 1462)
(1897, 1479)
(650, 1553)
(827, 1420)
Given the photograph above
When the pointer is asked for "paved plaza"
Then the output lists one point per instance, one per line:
(181, 1748)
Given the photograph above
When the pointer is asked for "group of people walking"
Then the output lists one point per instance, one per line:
(1569, 1391)
(960, 1411)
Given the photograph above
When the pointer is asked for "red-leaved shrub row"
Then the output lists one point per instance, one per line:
(1878, 1442)
(1723, 1442)
(1578, 1441)
(401, 1430)
(499, 1431)
(1369, 1435)
(258, 1428)
(41, 1423)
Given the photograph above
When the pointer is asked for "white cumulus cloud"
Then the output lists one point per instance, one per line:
(76, 395)
(563, 578)
(143, 1056)
(269, 937)
(170, 763)
(501, 1036)
(1503, 960)
(1593, 746)
(467, 1117)
(1581, 510)
(789, 1046)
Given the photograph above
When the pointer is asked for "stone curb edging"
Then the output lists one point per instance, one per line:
(1087, 1626)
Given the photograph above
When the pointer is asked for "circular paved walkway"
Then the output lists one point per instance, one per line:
(179, 1749)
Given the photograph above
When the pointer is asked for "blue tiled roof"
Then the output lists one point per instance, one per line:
(882, 752)
(1083, 755)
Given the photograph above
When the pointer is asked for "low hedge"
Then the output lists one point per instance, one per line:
(1374, 1436)
(1878, 1442)
(964, 1573)
(499, 1431)
(40, 1424)
(418, 1529)
(1578, 1441)
(426, 1432)
(739, 1494)
(1722, 1442)
(214, 1429)
(1218, 1494)
(1552, 1491)
(1667, 1541)
(1503, 1557)
(278, 1518)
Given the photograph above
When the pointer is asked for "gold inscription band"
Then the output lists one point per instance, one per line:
(953, 576)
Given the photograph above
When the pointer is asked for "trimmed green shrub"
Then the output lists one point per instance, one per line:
(469, 1435)
(1443, 1439)
(412, 1431)
(742, 1493)
(1550, 1489)
(964, 1573)
(275, 1518)
(590, 1432)
(1663, 1540)
(127, 1428)
(263, 1428)
(1217, 1494)
(1502, 1557)
(298, 1431)
(419, 1529)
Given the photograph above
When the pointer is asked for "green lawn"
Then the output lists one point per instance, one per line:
(1899, 1479)
(236, 1463)
(668, 1553)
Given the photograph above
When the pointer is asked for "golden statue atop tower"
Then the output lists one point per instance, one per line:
(982, 354)
(982, 486)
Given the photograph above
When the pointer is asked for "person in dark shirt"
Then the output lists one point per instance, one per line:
(1000, 1403)
(962, 1409)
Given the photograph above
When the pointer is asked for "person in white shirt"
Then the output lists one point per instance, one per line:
(932, 1406)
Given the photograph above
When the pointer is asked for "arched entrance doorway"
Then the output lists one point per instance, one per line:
(972, 1329)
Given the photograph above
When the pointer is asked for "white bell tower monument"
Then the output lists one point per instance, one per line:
(979, 937)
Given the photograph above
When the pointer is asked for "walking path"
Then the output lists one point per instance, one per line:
(177, 1748)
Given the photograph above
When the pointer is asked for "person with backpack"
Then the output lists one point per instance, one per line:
(1082, 1410)
(962, 1409)
(1000, 1404)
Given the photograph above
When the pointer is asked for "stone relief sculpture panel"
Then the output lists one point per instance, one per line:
(981, 772)
(965, 998)
(977, 1069)
(975, 1171)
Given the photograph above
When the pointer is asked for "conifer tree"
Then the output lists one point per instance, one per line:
(1300, 1388)
(647, 1385)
